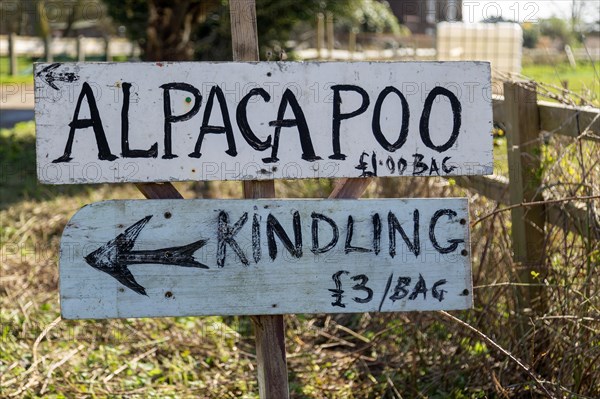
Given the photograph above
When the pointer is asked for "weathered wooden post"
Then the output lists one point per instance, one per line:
(320, 35)
(262, 257)
(523, 140)
(330, 35)
(570, 56)
(269, 330)
(107, 53)
(352, 42)
(48, 55)
(80, 48)
(12, 54)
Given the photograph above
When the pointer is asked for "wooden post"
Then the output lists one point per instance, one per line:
(269, 330)
(80, 49)
(350, 188)
(330, 35)
(159, 191)
(523, 130)
(320, 35)
(12, 54)
(48, 49)
(107, 54)
(352, 42)
(570, 56)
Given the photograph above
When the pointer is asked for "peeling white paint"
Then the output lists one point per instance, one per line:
(311, 84)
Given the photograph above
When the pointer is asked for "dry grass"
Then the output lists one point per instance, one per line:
(505, 352)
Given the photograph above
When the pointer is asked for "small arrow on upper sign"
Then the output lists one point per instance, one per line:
(50, 76)
(114, 256)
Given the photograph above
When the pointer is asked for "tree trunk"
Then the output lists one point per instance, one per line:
(170, 25)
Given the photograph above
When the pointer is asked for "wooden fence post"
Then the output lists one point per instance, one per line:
(80, 49)
(320, 35)
(48, 49)
(523, 125)
(107, 54)
(12, 54)
(352, 42)
(330, 35)
(269, 330)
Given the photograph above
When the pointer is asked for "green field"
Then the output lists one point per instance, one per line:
(24, 70)
(352, 356)
(25, 67)
(420, 355)
(583, 80)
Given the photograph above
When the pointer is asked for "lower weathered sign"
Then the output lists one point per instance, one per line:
(240, 257)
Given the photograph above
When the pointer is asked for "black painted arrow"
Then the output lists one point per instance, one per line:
(114, 256)
(50, 76)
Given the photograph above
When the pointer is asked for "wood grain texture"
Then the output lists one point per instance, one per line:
(271, 359)
(352, 188)
(569, 216)
(159, 191)
(559, 118)
(404, 125)
(259, 189)
(527, 231)
(251, 268)
(569, 121)
(523, 140)
(244, 36)
(493, 187)
(269, 330)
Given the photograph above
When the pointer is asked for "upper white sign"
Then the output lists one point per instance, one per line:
(143, 122)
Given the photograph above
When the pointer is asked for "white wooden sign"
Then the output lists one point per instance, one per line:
(150, 258)
(141, 122)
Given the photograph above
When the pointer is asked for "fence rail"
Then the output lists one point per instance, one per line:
(75, 47)
(526, 123)
(557, 119)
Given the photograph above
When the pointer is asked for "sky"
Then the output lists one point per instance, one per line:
(527, 10)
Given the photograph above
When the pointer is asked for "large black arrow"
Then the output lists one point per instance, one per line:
(114, 256)
(50, 76)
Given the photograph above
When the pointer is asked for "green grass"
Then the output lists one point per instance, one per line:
(17, 169)
(25, 67)
(418, 354)
(581, 80)
(24, 70)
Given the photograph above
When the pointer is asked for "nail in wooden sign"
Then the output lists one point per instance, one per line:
(155, 258)
(153, 122)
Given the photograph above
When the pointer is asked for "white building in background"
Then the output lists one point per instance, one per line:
(500, 43)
